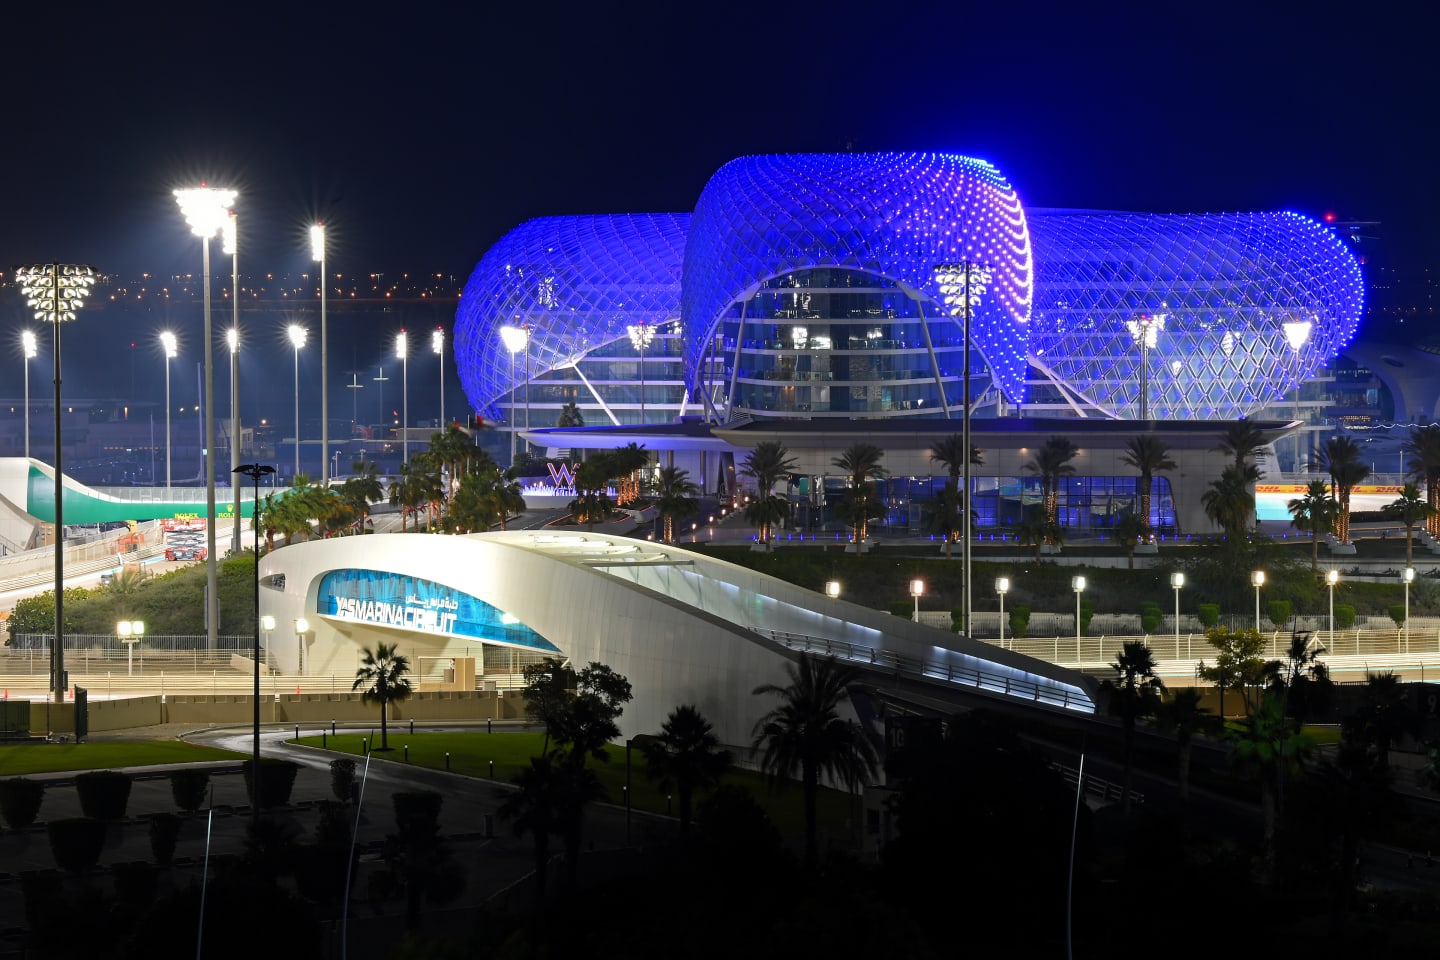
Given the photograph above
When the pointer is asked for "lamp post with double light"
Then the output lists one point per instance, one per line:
(641, 334)
(317, 252)
(1078, 585)
(30, 348)
(1002, 587)
(437, 346)
(1177, 581)
(207, 211)
(130, 633)
(515, 340)
(917, 590)
(402, 353)
(297, 335)
(255, 471)
(170, 346)
(55, 291)
(1332, 577)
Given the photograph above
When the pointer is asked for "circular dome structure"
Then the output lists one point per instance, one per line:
(911, 219)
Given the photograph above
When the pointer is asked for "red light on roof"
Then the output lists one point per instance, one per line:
(1329, 218)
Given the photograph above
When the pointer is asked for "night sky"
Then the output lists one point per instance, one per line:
(420, 133)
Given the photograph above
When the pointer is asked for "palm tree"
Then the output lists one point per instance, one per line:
(1135, 692)
(686, 756)
(1051, 462)
(1183, 715)
(1340, 457)
(1130, 530)
(1268, 747)
(1314, 513)
(1148, 455)
(1410, 508)
(627, 462)
(1036, 530)
(592, 486)
(1229, 502)
(950, 451)
(765, 511)
(861, 463)
(1383, 717)
(550, 799)
(383, 675)
(570, 416)
(1242, 440)
(1423, 449)
(766, 464)
(362, 489)
(947, 517)
(675, 498)
(805, 734)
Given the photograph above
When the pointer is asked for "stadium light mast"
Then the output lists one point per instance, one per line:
(230, 244)
(1145, 331)
(515, 340)
(402, 353)
(641, 335)
(1297, 334)
(55, 291)
(297, 335)
(30, 348)
(206, 210)
(317, 252)
(167, 341)
(437, 344)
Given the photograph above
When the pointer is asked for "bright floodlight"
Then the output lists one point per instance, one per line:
(1332, 577)
(641, 334)
(27, 341)
(229, 239)
(267, 623)
(1077, 584)
(917, 588)
(832, 588)
(296, 333)
(302, 625)
(1146, 329)
(514, 338)
(401, 342)
(1258, 578)
(54, 290)
(437, 340)
(1177, 580)
(232, 339)
(1408, 574)
(1297, 333)
(167, 340)
(205, 208)
(317, 242)
(1002, 585)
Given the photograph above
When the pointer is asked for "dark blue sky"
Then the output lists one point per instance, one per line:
(422, 132)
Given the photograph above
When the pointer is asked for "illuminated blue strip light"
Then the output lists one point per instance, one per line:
(893, 215)
(424, 606)
(575, 283)
(1252, 304)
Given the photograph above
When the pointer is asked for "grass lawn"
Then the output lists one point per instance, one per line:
(471, 753)
(108, 755)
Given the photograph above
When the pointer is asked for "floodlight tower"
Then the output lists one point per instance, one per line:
(515, 340)
(317, 252)
(55, 291)
(297, 336)
(641, 335)
(30, 348)
(231, 245)
(167, 341)
(1145, 331)
(1297, 334)
(207, 210)
(437, 344)
(402, 353)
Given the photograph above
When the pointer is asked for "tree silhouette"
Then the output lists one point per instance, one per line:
(686, 756)
(1135, 692)
(1149, 455)
(1313, 513)
(383, 675)
(1050, 463)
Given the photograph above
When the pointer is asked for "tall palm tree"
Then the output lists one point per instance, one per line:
(592, 486)
(806, 734)
(1423, 449)
(686, 757)
(1135, 692)
(1340, 457)
(1148, 455)
(1242, 440)
(1229, 503)
(766, 464)
(550, 798)
(383, 675)
(570, 416)
(1410, 508)
(947, 517)
(765, 511)
(861, 463)
(1050, 463)
(1313, 513)
(674, 498)
(950, 451)
(627, 462)
(1036, 530)
(1267, 746)
(1384, 716)
(1130, 530)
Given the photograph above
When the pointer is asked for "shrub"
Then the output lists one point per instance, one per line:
(104, 794)
(342, 779)
(20, 801)
(1209, 614)
(1397, 613)
(333, 828)
(1019, 620)
(188, 788)
(164, 831)
(903, 608)
(76, 842)
(1150, 619)
(1279, 612)
(277, 779)
(1344, 616)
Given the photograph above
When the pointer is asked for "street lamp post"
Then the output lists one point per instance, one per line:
(167, 341)
(255, 471)
(130, 632)
(1177, 580)
(1332, 577)
(402, 354)
(1078, 585)
(1257, 577)
(267, 623)
(1408, 575)
(55, 291)
(515, 340)
(917, 590)
(640, 336)
(31, 349)
(231, 246)
(207, 210)
(302, 627)
(297, 336)
(1002, 587)
(437, 345)
(317, 252)
(1145, 330)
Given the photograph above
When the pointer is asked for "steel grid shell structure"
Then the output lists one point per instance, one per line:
(1241, 308)
(1251, 303)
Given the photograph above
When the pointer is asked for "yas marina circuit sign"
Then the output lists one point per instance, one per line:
(424, 606)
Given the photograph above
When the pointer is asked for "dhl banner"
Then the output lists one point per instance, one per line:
(1373, 489)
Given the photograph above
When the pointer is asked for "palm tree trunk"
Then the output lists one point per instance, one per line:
(810, 784)
(1409, 544)
(384, 728)
(1184, 773)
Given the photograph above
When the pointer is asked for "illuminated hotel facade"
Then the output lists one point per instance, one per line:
(836, 288)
